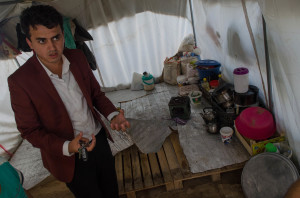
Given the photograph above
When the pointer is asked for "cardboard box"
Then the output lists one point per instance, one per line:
(255, 147)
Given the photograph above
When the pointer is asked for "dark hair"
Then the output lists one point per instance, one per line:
(40, 15)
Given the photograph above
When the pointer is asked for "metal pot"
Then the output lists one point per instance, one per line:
(224, 95)
(248, 98)
(212, 127)
(227, 104)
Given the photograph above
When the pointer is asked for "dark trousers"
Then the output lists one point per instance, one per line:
(95, 178)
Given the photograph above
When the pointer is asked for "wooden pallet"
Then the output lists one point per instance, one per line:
(137, 171)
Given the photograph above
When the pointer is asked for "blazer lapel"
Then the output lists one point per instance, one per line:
(45, 81)
(80, 81)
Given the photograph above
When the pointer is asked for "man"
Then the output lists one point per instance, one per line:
(56, 100)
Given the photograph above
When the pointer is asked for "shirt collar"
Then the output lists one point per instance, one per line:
(65, 66)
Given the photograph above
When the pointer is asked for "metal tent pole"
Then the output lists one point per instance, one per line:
(268, 68)
(192, 16)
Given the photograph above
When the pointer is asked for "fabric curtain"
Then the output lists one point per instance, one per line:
(137, 43)
(222, 35)
(282, 21)
(9, 135)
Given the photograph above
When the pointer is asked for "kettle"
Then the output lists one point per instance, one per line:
(208, 115)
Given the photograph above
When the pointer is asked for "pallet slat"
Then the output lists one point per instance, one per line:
(180, 155)
(136, 170)
(127, 170)
(146, 170)
(119, 172)
(172, 160)
(156, 175)
(165, 170)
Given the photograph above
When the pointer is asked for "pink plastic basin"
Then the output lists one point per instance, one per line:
(255, 123)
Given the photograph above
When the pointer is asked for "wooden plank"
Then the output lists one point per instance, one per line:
(180, 155)
(216, 177)
(136, 169)
(127, 171)
(178, 184)
(172, 160)
(156, 175)
(219, 170)
(165, 170)
(119, 171)
(244, 142)
(131, 194)
(146, 170)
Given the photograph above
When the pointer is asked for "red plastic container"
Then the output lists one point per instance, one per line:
(255, 123)
(213, 84)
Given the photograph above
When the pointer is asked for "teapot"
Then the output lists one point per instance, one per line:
(208, 115)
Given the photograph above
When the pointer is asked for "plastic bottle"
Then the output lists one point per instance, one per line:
(271, 148)
(148, 81)
(220, 79)
(205, 84)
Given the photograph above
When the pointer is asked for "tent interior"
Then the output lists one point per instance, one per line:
(136, 36)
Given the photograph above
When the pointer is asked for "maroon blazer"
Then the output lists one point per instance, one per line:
(41, 116)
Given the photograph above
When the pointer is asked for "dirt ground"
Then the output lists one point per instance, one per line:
(228, 187)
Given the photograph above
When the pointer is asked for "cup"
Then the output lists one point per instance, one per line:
(226, 134)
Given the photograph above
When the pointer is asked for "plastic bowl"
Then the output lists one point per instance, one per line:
(255, 123)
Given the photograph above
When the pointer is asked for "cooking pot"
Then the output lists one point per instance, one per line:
(227, 104)
(223, 93)
(248, 98)
(255, 123)
(212, 127)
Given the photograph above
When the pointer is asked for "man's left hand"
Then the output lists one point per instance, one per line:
(119, 122)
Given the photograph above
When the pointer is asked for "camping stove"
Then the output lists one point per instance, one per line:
(180, 107)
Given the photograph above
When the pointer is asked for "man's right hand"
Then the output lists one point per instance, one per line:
(74, 144)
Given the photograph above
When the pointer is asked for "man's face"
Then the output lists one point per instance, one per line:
(48, 44)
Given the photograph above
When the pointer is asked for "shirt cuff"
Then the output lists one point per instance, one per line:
(66, 149)
(113, 114)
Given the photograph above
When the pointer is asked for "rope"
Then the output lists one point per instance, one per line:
(10, 154)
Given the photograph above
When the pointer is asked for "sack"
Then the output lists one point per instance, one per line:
(187, 45)
(186, 59)
(136, 83)
(171, 70)
(191, 71)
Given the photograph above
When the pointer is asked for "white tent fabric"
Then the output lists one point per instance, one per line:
(137, 44)
(282, 19)
(222, 35)
(9, 135)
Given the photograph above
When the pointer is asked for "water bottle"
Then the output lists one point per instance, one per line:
(148, 81)
(205, 84)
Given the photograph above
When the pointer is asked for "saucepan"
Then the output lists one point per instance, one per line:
(212, 127)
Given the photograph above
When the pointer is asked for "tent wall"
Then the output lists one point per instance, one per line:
(133, 36)
(222, 34)
(282, 19)
(9, 135)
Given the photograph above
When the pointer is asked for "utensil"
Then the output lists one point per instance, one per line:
(208, 114)
(212, 127)
(255, 123)
(227, 104)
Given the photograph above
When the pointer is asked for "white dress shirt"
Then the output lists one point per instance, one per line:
(75, 103)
